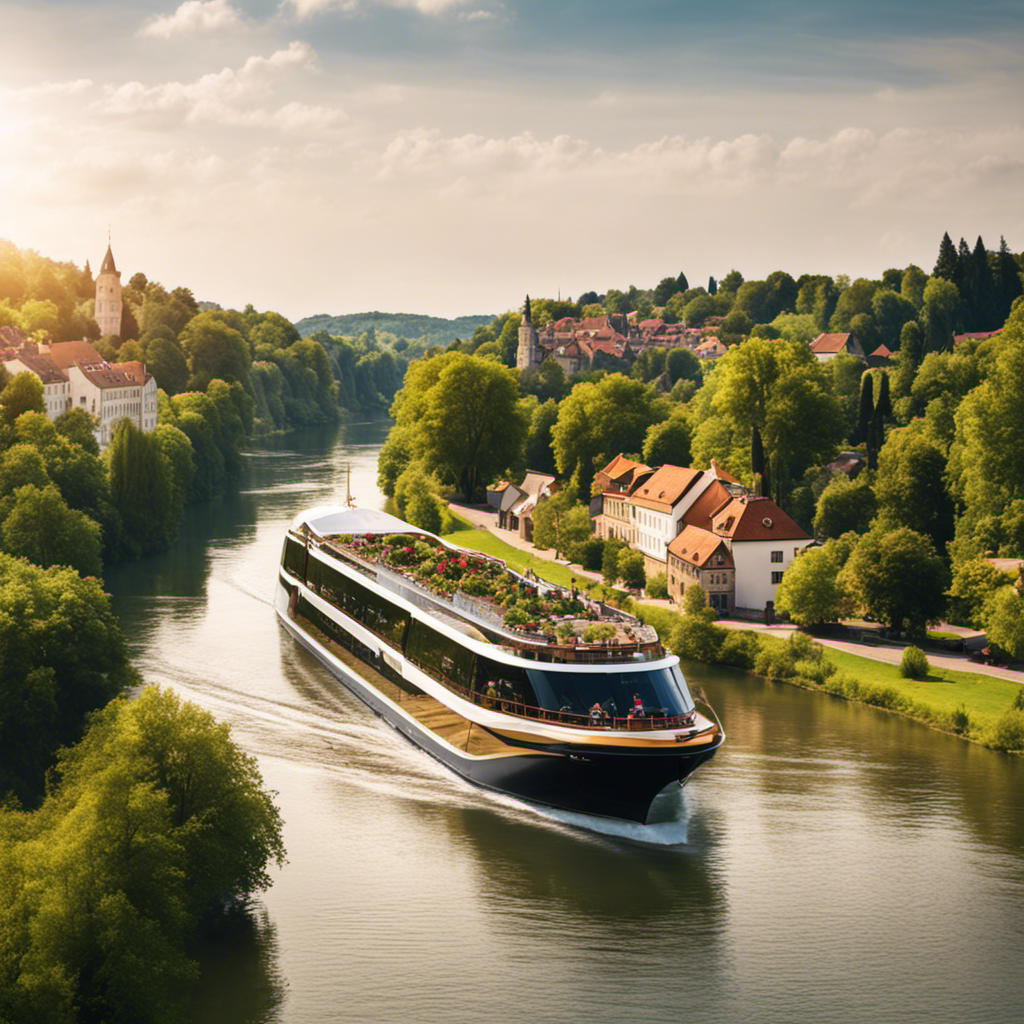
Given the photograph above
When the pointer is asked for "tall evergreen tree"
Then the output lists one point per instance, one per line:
(712, 286)
(945, 265)
(681, 282)
(912, 341)
(1008, 285)
(984, 313)
(963, 278)
(883, 407)
(757, 461)
(867, 406)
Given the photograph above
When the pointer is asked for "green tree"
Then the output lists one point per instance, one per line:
(779, 387)
(984, 460)
(911, 488)
(897, 577)
(682, 364)
(214, 349)
(157, 821)
(23, 393)
(1003, 618)
(810, 591)
(912, 285)
(844, 505)
(974, 581)
(78, 426)
(63, 656)
(695, 635)
(538, 454)
(610, 560)
(940, 314)
(142, 486)
(597, 421)
(668, 442)
(697, 310)
(39, 526)
(166, 360)
(946, 262)
(631, 569)
(560, 522)
(470, 428)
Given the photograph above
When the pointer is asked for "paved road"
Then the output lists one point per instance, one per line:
(484, 518)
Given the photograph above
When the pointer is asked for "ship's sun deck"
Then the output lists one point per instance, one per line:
(614, 686)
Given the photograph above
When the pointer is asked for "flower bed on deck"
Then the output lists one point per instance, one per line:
(520, 603)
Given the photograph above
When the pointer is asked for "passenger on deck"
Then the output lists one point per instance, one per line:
(638, 706)
(596, 714)
(491, 694)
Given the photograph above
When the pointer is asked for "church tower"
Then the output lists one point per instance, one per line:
(108, 297)
(527, 355)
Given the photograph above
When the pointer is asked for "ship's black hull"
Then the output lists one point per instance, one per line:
(614, 784)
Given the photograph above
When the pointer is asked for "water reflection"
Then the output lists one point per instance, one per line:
(241, 980)
(832, 863)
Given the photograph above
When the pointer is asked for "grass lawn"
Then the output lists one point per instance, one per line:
(986, 698)
(467, 536)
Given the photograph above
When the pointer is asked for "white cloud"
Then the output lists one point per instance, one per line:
(858, 168)
(227, 96)
(45, 90)
(191, 17)
(309, 8)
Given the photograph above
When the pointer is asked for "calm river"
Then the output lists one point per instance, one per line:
(831, 864)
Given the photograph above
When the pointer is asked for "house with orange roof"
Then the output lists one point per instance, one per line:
(827, 346)
(658, 507)
(763, 541)
(710, 348)
(698, 557)
(612, 517)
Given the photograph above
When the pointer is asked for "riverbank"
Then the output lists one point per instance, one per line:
(977, 704)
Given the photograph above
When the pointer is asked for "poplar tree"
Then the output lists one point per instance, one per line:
(867, 405)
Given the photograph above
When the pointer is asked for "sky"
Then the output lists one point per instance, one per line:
(449, 156)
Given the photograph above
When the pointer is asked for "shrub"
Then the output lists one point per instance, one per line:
(657, 587)
(1008, 732)
(739, 648)
(517, 616)
(959, 720)
(598, 632)
(564, 632)
(914, 664)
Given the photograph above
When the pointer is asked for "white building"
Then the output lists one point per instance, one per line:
(763, 541)
(669, 499)
(56, 386)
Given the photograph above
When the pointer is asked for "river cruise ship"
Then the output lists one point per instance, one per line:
(516, 685)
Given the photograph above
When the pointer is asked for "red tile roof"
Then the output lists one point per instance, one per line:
(42, 366)
(665, 487)
(696, 546)
(826, 343)
(67, 353)
(755, 519)
(715, 496)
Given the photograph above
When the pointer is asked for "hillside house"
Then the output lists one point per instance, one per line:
(827, 346)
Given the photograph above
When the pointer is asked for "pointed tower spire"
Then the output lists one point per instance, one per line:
(108, 262)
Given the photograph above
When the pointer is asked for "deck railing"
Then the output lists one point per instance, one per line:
(650, 720)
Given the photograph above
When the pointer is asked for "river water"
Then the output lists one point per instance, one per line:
(831, 864)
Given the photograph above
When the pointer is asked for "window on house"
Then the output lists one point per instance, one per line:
(776, 577)
(776, 556)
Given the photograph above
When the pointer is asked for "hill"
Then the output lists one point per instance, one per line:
(436, 330)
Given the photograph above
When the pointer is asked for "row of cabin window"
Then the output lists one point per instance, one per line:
(436, 653)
